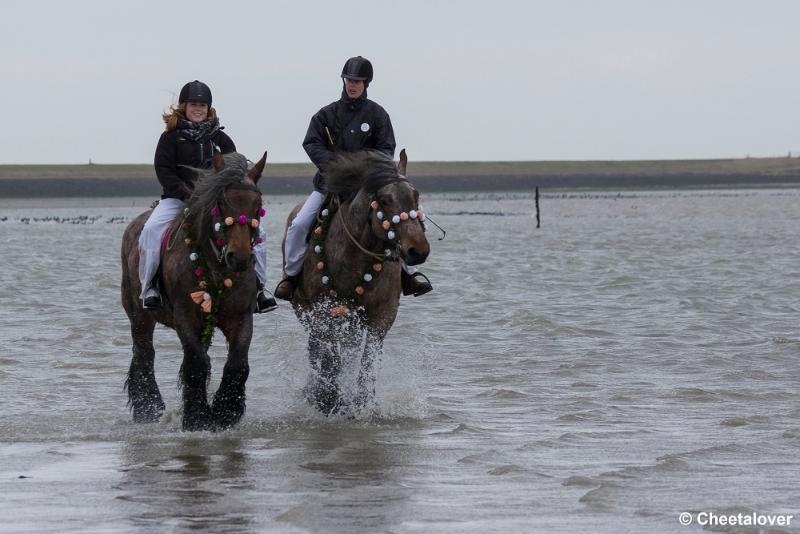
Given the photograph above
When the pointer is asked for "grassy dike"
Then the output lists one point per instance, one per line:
(17, 181)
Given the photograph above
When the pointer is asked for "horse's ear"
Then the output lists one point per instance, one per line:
(401, 167)
(255, 172)
(218, 161)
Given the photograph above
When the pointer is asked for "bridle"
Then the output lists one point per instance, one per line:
(218, 241)
(387, 222)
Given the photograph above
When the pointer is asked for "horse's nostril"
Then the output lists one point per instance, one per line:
(416, 257)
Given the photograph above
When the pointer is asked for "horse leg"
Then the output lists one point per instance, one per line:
(366, 374)
(194, 375)
(144, 398)
(326, 362)
(229, 401)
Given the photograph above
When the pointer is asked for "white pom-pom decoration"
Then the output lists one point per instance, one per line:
(387, 252)
(317, 249)
(206, 296)
(193, 256)
(325, 280)
(396, 219)
(390, 234)
(379, 215)
(368, 277)
(325, 212)
(217, 226)
(412, 214)
(422, 216)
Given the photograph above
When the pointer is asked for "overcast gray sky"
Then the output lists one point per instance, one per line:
(468, 80)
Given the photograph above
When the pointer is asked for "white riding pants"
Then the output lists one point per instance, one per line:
(150, 243)
(295, 251)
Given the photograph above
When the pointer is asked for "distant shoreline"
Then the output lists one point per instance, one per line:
(33, 181)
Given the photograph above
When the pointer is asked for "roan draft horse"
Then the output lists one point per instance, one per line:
(208, 281)
(349, 292)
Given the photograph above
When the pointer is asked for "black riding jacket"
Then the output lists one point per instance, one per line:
(354, 125)
(174, 149)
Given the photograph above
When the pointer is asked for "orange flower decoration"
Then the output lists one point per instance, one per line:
(320, 265)
(377, 267)
(332, 292)
(228, 221)
(187, 241)
(227, 282)
(318, 230)
(254, 223)
(206, 306)
(373, 204)
(359, 290)
(404, 216)
(202, 284)
(339, 311)
(197, 296)
(386, 225)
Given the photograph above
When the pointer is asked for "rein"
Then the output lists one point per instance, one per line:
(355, 241)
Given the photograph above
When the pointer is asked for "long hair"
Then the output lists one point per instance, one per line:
(208, 190)
(349, 173)
(179, 112)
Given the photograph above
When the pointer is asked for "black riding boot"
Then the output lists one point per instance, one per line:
(153, 300)
(285, 289)
(415, 284)
(264, 303)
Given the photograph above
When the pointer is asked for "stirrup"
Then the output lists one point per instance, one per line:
(412, 286)
(153, 302)
(285, 288)
(264, 303)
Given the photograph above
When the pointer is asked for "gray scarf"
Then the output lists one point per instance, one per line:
(199, 132)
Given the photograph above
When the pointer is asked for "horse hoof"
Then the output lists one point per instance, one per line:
(148, 411)
(197, 422)
(225, 419)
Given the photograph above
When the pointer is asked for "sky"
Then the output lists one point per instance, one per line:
(462, 80)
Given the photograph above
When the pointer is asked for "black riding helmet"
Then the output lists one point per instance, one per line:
(358, 68)
(195, 91)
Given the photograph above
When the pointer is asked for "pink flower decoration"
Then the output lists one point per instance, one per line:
(261, 212)
(199, 271)
(228, 221)
(242, 219)
(259, 240)
(254, 223)
(220, 242)
(215, 211)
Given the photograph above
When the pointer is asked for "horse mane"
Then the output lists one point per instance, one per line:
(349, 173)
(208, 190)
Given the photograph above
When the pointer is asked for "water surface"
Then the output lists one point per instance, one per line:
(634, 358)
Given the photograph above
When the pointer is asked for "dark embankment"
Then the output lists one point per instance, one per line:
(18, 181)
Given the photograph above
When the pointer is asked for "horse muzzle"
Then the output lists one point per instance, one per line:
(415, 256)
(238, 262)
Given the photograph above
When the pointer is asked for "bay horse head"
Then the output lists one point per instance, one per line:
(381, 192)
(226, 208)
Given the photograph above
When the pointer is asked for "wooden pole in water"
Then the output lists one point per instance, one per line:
(536, 200)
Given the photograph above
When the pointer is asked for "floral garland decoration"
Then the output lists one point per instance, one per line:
(209, 292)
(318, 243)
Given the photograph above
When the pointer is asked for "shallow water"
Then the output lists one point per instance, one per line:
(634, 358)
